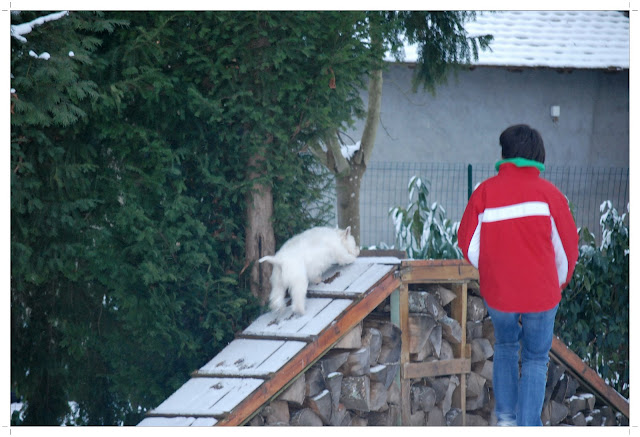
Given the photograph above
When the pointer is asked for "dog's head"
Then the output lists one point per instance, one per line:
(349, 242)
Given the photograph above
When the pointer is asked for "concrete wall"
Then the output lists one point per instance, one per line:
(461, 125)
(464, 119)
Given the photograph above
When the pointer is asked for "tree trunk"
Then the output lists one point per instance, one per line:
(348, 187)
(373, 118)
(348, 196)
(260, 239)
(349, 173)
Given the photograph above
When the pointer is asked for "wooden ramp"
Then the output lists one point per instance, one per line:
(262, 361)
(277, 347)
(562, 355)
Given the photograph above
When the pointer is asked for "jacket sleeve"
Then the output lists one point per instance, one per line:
(567, 232)
(470, 227)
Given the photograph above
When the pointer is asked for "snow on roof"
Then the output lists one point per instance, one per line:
(555, 39)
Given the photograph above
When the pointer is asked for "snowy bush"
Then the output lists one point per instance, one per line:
(593, 317)
(423, 229)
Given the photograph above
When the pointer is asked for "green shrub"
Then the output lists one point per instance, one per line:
(593, 317)
(422, 229)
(128, 199)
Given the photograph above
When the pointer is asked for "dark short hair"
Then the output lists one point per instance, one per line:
(521, 141)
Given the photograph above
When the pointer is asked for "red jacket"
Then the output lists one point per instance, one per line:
(518, 231)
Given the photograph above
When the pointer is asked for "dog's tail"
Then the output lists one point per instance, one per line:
(271, 259)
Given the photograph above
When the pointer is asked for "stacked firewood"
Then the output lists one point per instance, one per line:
(433, 336)
(567, 403)
(354, 384)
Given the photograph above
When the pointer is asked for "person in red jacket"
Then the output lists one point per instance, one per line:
(518, 231)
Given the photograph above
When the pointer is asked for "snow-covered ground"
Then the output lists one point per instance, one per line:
(17, 406)
(71, 419)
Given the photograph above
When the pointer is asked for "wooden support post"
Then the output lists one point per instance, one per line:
(459, 313)
(395, 319)
(395, 307)
(457, 273)
(405, 383)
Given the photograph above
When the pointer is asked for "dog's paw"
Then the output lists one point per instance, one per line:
(277, 304)
(347, 259)
(316, 280)
(298, 310)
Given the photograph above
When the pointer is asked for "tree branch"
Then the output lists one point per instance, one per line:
(373, 116)
(315, 148)
(341, 165)
(18, 30)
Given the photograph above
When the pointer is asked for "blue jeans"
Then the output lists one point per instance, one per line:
(520, 394)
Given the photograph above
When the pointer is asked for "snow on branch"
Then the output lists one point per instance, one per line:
(43, 55)
(349, 150)
(18, 30)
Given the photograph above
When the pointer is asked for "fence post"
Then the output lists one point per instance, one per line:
(469, 177)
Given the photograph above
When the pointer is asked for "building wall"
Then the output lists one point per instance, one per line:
(436, 136)
(463, 120)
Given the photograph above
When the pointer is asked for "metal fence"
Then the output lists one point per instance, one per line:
(385, 185)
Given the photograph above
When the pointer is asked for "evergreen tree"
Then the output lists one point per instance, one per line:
(52, 194)
(138, 150)
(129, 185)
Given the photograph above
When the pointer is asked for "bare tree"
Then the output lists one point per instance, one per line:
(349, 172)
(443, 44)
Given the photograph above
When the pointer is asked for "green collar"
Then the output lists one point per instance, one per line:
(521, 162)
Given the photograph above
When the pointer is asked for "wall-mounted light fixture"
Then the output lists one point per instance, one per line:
(555, 113)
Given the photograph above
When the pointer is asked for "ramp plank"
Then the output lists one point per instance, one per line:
(392, 260)
(167, 421)
(178, 421)
(369, 278)
(207, 397)
(245, 357)
(345, 277)
(289, 325)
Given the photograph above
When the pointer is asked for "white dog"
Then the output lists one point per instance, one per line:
(303, 259)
